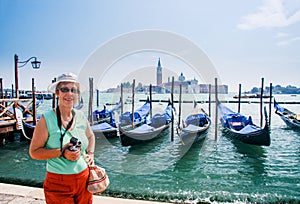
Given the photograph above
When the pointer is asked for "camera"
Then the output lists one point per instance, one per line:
(76, 144)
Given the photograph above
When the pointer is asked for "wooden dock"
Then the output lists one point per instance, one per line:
(8, 119)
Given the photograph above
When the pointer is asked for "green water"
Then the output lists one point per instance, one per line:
(221, 170)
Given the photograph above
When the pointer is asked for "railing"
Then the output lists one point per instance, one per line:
(8, 115)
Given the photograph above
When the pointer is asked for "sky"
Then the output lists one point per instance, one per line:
(243, 40)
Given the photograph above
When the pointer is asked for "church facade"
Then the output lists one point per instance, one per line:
(188, 86)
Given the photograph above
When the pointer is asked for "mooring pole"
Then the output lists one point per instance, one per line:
(239, 101)
(216, 109)
(261, 101)
(132, 103)
(270, 104)
(33, 102)
(121, 98)
(97, 97)
(53, 96)
(1, 88)
(90, 109)
(16, 60)
(209, 100)
(150, 91)
(172, 99)
(180, 104)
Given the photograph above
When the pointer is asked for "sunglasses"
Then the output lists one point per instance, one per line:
(66, 90)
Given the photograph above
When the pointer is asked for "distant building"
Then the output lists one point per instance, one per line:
(159, 74)
(204, 88)
(188, 86)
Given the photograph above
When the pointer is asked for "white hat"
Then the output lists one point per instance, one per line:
(66, 77)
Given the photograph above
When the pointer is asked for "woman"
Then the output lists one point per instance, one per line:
(67, 168)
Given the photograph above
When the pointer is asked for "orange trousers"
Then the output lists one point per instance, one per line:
(67, 189)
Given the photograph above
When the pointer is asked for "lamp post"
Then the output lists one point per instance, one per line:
(35, 65)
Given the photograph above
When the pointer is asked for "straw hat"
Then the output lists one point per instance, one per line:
(65, 77)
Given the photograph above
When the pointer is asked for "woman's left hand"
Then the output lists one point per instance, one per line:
(89, 158)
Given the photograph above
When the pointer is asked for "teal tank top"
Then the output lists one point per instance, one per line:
(61, 165)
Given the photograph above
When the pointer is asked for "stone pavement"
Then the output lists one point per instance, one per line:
(16, 194)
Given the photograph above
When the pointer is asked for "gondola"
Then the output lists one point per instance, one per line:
(139, 117)
(242, 128)
(27, 128)
(24, 120)
(105, 122)
(195, 126)
(79, 105)
(133, 135)
(290, 118)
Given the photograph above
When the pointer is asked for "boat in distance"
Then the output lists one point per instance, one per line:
(251, 96)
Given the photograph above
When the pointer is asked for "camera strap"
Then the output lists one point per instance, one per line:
(59, 125)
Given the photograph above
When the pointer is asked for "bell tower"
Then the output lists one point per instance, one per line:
(159, 74)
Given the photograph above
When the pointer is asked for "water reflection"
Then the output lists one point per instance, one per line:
(17, 166)
(253, 157)
(144, 158)
(188, 155)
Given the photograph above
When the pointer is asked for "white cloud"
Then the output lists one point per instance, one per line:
(281, 35)
(273, 13)
(287, 42)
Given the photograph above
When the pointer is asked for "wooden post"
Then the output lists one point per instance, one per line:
(216, 110)
(209, 100)
(33, 102)
(132, 103)
(53, 96)
(97, 99)
(121, 98)
(16, 60)
(16, 126)
(6, 96)
(239, 101)
(180, 101)
(90, 108)
(261, 101)
(172, 99)
(12, 91)
(270, 104)
(1, 88)
(150, 100)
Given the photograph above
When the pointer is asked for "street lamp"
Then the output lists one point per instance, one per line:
(35, 65)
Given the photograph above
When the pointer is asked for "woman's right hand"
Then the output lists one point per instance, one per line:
(71, 155)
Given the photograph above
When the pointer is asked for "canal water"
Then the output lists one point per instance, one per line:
(218, 170)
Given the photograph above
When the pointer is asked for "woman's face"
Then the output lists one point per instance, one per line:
(67, 93)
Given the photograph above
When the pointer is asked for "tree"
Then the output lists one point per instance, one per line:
(291, 87)
(255, 90)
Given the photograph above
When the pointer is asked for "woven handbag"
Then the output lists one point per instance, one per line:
(98, 180)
